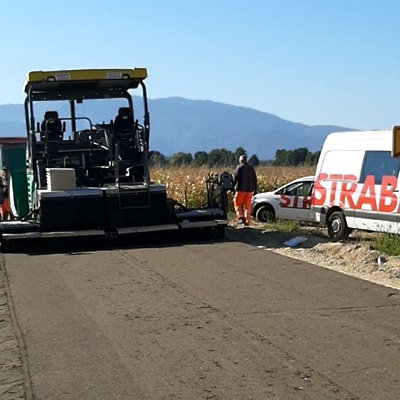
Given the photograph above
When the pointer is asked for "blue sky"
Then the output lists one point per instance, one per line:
(309, 61)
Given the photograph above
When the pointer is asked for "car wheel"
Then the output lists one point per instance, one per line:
(337, 226)
(265, 214)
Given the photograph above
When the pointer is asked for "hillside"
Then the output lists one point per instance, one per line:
(178, 124)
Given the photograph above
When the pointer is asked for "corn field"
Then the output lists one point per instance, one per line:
(187, 185)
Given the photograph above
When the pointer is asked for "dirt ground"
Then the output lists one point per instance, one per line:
(11, 370)
(353, 257)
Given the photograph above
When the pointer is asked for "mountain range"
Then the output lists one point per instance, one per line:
(182, 125)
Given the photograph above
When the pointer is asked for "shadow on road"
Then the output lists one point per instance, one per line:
(272, 239)
(74, 245)
(253, 235)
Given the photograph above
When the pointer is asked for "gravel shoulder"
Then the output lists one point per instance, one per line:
(11, 368)
(353, 257)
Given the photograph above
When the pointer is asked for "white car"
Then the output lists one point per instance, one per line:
(291, 201)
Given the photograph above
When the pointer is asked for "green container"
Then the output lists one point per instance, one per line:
(13, 156)
(19, 187)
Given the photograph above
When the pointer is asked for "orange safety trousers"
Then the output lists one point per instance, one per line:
(5, 209)
(242, 204)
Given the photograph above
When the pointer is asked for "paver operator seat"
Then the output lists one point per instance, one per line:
(123, 123)
(51, 127)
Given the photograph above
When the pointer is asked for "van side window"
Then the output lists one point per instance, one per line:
(379, 164)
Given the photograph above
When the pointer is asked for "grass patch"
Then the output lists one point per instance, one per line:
(284, 226)
(387, 243)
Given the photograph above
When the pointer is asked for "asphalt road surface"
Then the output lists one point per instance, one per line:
(201, 321)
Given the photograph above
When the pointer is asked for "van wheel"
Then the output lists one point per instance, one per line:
(265, 214)
(337, 226)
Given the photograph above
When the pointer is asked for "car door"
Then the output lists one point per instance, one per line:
(295, 201)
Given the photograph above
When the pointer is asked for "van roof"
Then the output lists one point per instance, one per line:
(359, 140)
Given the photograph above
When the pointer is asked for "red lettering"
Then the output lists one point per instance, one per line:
(333, 192)
(348, 190)
(388, 200)
(319, 192)
(296, 202)
(285, 201)
(306, 202)
(351, 178)
(334, 178)
(368, 195)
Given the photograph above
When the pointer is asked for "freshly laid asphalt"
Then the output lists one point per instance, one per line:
(203, 320)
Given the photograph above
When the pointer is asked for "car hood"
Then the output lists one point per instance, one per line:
(264, 195)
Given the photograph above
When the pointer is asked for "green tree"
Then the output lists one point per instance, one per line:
(281, 157)
(298, 156)
(200, 158)
(180, 158)
(156, 158)
(254, 161)
(312, 158)
(220, 158)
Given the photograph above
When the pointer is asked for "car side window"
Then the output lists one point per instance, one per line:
(298, 189)
(292, 190)
(305, 189)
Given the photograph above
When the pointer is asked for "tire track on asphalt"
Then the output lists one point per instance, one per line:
(17, 381)
(292, 362)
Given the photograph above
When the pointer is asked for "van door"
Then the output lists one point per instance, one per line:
(378, 193)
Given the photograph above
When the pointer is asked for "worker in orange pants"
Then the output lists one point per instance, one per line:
(242, 204)
(245, 183)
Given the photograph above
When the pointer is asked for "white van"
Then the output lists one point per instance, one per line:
(357, 184)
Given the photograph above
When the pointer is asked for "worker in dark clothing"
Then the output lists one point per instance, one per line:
(245, 183)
